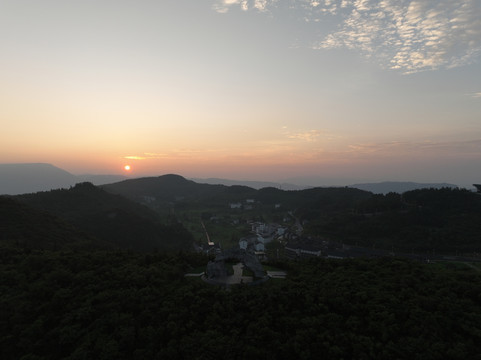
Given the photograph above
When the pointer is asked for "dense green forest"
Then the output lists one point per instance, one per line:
(126, 305)
(26, 227)
(173, 190)
(72, 285)
(443, 220)
(112, 219)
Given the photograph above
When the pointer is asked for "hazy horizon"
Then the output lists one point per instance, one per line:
(345, 90)
(32, 177)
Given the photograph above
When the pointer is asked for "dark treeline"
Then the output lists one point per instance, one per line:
(29, 228)
(112, 220)
(437, 221)
(125, 305)
(444, 220)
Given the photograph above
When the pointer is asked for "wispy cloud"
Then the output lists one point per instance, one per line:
(308, 136)
(134, 157)
(223, 6)
(411, 35)
(146, 156)
(178, 154)
(476, 95)
(405, 35)
(427, 147)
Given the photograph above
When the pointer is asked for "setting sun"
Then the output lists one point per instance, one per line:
(127, 167)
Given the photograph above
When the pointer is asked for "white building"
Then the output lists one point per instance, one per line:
(243, 243)
(235, 205)
(259, 246)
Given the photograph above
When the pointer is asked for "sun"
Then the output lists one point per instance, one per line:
(127, 168)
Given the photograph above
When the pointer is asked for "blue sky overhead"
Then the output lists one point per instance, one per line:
(262, 89)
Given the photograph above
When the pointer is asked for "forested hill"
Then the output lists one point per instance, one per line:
(175, 188)
(25, 227)
(110, 218)
(443, 220)
(163, 188)
(399, 186)
(121, 305)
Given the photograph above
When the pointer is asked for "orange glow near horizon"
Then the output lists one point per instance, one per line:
(144, 97)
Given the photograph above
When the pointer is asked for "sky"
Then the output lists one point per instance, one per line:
(334, 91)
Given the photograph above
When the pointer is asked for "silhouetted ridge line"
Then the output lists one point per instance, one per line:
(111, 218)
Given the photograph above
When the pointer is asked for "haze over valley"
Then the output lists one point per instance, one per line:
(18, 179)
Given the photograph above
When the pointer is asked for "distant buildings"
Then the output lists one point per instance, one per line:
(243, 243)
(253, 243)
(249, 205)
(304, 248)
(216, 270)
(301, 251)
(266, 230)
(210, 248)
(148, 199)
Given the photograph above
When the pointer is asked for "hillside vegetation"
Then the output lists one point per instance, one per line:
(29, 228)
(444, 220)
(72, 288)
(117, 305)
(110, 218)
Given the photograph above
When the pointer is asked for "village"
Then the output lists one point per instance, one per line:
(286, 240)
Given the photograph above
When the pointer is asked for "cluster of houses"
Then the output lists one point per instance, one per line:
(248, 204)
(267, 231)
(261, 234)
(304, 248)
(257, 243)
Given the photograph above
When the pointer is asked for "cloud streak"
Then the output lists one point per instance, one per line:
(146, 156)
(308, 136)
(400, 148)
(260, 5)
(404, 35)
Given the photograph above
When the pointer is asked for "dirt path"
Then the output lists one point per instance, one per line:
(471, 266)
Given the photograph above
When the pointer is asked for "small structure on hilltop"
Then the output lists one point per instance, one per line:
(216, 269)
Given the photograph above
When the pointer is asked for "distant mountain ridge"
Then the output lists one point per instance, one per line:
(100, 179)
(16, 179)
(28, 178)
(253, 184)
(399, 187)
(163, 191)
(168, 187)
